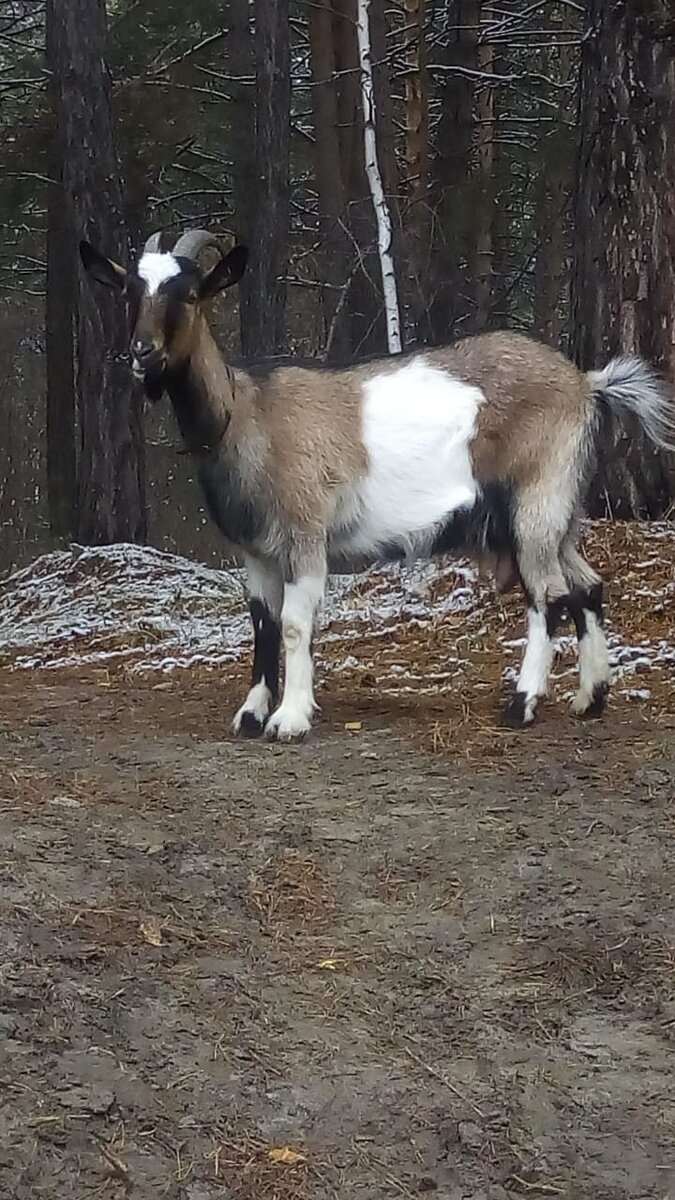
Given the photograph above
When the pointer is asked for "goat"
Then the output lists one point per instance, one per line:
(482, 448)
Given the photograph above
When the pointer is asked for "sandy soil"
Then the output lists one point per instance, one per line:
(399, 972)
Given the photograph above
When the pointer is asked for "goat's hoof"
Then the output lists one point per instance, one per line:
(248, 725)
(288, 725)
(519, 711)
(591, 706)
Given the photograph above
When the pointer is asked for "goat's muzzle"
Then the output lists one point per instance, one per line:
(147, 360)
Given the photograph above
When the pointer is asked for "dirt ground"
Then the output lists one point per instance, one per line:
(366, 966)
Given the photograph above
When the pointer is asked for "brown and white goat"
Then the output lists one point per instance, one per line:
(481, 448)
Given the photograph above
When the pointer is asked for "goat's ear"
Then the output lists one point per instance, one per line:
(102, 269)
(225, 274)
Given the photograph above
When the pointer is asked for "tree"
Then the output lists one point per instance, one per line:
(458, 57)
(110, 494)
(59, 329)
(624, 273)
(482, 233)
(374, 176)
(417, 212)
(263, 291)
(243, 121)
(336, 251)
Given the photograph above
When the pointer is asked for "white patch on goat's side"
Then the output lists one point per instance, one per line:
(536, 668)
(593, 663)
(418, 423)
(257, 703)
(155, 269)
(293, 718)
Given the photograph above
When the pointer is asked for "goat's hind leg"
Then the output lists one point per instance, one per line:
(265, 588)
(545, 591)
(533, 678)
(585, 606)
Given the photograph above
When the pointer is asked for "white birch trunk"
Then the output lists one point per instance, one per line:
(382, 215)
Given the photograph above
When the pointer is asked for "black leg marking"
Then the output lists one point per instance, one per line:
(266, 646)
(513, 715)
(250, 726)
(556, 611)
(267, 642)
(581, 601)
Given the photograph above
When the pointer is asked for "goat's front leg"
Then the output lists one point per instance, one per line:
(265, 587)
(303, 594)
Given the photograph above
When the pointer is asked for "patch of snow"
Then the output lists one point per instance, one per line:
(147, 611)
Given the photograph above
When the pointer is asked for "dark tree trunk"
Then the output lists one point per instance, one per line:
(59, 330)
(418, 212)
(481, 248)
(624, 278)
(263, 291)
(551, 253)
(110, 495)
(337, 254)
(451, 305)
(243, 130)
(353, 302)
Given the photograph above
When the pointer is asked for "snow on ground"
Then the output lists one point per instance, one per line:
(415, 629)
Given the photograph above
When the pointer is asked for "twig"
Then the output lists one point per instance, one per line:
(442, 1079)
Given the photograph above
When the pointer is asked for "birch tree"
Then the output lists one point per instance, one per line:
(374, 176)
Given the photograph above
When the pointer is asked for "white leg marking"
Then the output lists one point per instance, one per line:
(257, 703)
(265, 583)
(594, 670)
(293, 717)
(536, 668)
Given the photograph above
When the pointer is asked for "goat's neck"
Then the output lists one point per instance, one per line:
(202, 394)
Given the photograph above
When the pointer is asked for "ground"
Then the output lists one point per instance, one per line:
(370, 965)
(416, 954)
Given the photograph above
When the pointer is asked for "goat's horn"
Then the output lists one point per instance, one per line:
(192, 242)
(154, 243)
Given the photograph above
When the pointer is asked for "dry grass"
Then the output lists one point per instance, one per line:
(292, 891)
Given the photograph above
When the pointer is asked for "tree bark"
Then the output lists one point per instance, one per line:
(451, 307)
(243, 130)
(624, 275)
(482, 248)
(110, 494)
(336, 253)
(59, 341)
(374, 176)
(418, 213)
(551, 254)
(263, 290)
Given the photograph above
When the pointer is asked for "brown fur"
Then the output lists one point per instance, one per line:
(312, 419)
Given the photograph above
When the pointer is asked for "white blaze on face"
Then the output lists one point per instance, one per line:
(155, 269)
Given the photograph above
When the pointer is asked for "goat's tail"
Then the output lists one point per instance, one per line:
(629, 385)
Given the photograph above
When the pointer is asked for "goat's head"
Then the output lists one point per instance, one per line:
(165, 293)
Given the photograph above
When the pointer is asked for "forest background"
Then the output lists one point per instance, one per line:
(527, 158)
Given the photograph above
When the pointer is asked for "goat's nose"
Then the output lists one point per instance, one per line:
(142, 348)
